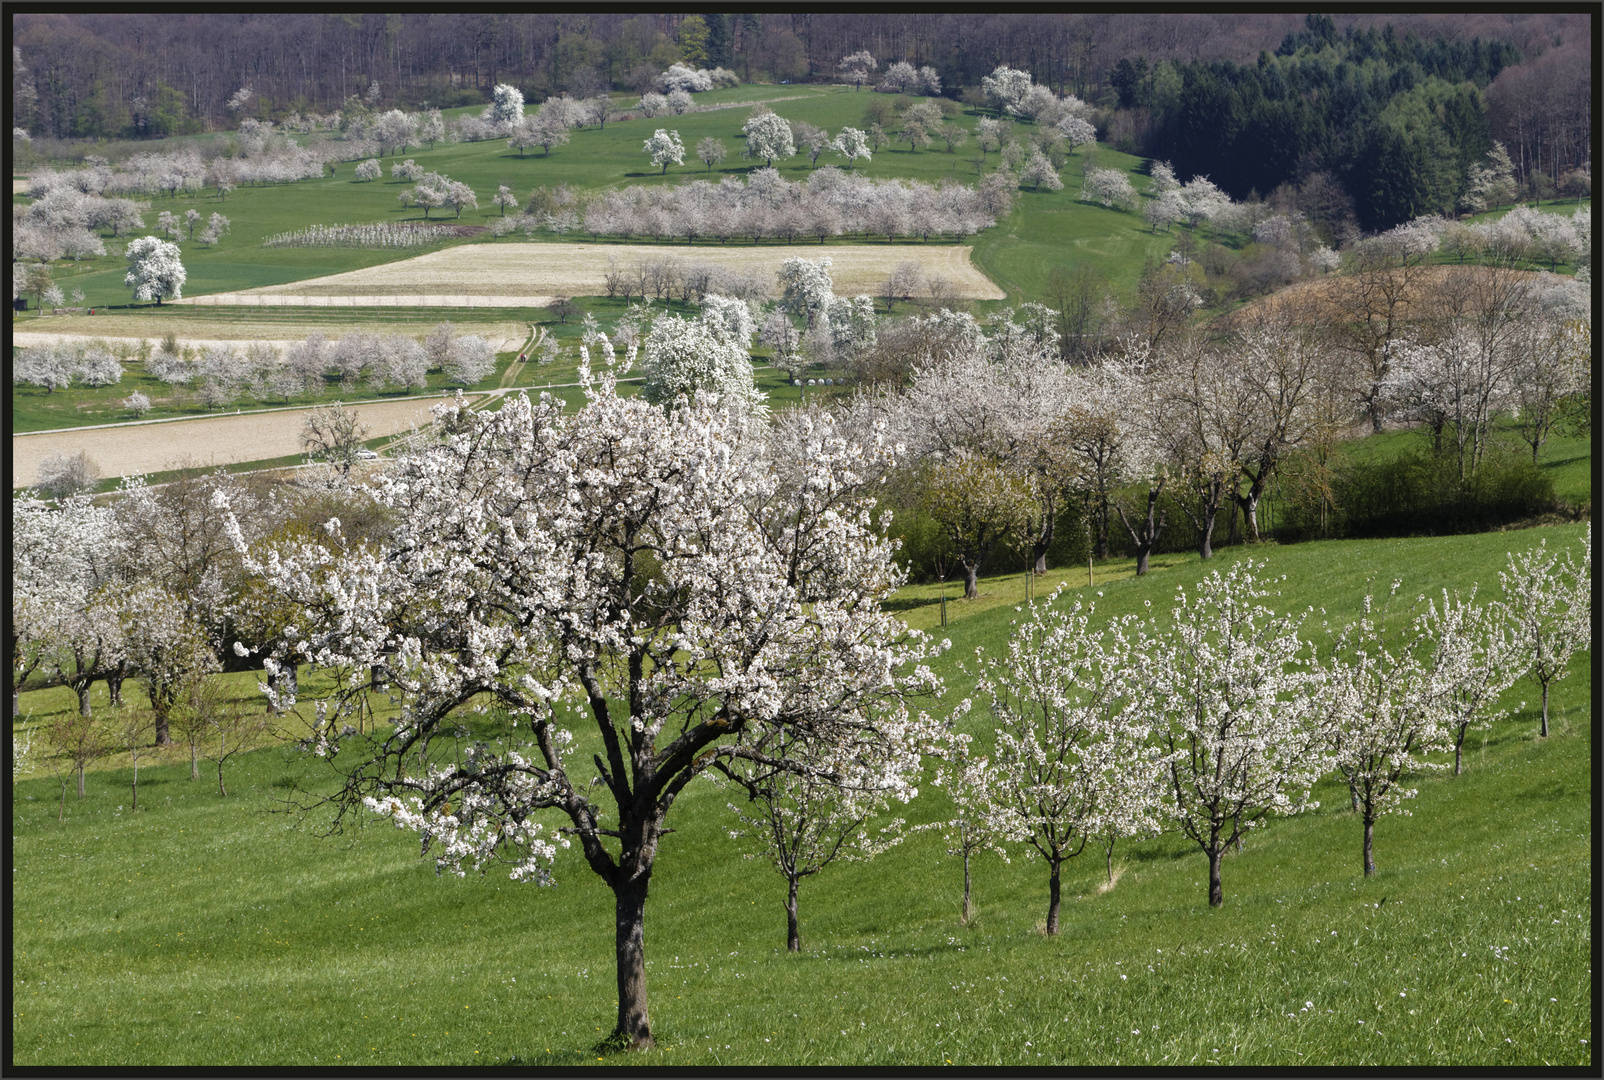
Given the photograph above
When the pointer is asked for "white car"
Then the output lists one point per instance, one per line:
(365, 454)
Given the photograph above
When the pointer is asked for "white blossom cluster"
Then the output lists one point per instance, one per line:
(511, 572)
(695, 80)
(902, 77)
(1521, 237)
(706, 355)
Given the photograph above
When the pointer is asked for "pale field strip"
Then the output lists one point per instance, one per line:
(141, 448)
(529, 275)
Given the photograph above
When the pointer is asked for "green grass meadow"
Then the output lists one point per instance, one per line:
(593, 160)
(214, 931)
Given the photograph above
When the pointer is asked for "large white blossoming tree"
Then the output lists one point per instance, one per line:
(702, 355)
(1072, 759)
(622, 569)
(1229, 692)
(155, 269)
(768, 136)
(1383, 711)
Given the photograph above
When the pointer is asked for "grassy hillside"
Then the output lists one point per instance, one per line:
(598, 159)
(205, 930)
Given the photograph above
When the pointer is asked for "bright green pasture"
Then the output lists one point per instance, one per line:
(211, 931)
(1055, 230)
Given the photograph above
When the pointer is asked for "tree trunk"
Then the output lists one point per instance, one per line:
(114, 687)
(1216, 893)
(634, 1029)
(1145, 540)
(1052, 901)
(1205, 543)
(1250, 512)
(222, 744)
(80, 779)
(1459, 747)
(971, 582)
(1044, 539)
(1370, 858)
(1545, 711)
(793, 939)
(194, 761)
(969, 907)
(82, 690)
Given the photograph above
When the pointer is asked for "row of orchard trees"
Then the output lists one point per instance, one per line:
(1226, 713)
(765, 205)
(699, 592)
(219, 374)
(1006, 434)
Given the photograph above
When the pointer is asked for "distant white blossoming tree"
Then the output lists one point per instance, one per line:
(155, 269)
(664, 148)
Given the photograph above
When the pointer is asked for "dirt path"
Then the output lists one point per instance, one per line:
(138, 449)
(530, 275)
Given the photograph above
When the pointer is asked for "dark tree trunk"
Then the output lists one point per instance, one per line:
(1145, 539)
(793, 939)
(82, 690)
(1042, 543)
(1052, 900)
(1215, 850)
(114, 686)
(1370, 858)
(969, 907)
(634, 1028)
(1545, 711)
(1102, 524)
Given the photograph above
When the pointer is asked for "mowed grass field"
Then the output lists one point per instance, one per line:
(212, 931)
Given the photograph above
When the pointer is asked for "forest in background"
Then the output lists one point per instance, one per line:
(1392, 109)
